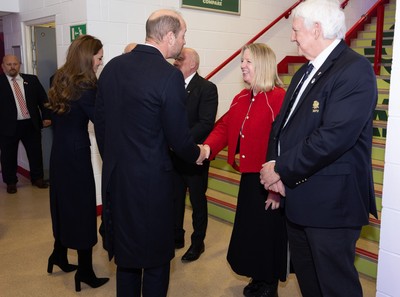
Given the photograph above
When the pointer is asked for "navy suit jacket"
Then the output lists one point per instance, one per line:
(325, 148)
(139, 116)
(35, 97)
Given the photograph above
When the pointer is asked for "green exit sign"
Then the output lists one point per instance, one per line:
(227, 6)
(77, 30)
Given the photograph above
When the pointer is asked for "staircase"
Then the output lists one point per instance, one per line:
(224, 180)
(368, 244)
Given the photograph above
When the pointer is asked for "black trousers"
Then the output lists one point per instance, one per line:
(148, 282)
(323, 260)
(31, 138)
(197, 184)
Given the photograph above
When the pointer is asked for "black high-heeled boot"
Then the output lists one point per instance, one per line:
(85, 273)
(59, 258)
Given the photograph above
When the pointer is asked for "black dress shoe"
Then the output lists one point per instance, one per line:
(40, 183)
(252, 288)
(11, 188)
(193, 253)
(267, 290)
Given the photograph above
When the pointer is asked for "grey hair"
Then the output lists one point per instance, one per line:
(161, 22)
(327, 13)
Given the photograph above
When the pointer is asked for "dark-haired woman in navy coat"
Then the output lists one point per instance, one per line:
(73, 192)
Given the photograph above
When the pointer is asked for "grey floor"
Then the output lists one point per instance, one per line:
(26, 242)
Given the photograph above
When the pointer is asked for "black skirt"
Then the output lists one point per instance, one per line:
(258, 245)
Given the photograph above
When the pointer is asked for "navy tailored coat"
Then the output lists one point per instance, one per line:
(325, 148)
(140, 115)
(73, 191)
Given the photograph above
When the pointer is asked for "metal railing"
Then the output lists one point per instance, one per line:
(286, 15)
(376, 10)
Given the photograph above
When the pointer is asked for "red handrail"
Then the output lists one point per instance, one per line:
(376, 10)
(378, 39)
(286, 15)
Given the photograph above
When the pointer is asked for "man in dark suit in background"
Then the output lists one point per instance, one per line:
(140, 116)
(320, 153)
(201, 106)
(22, 116)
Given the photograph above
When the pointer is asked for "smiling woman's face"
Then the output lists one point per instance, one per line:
(247, 67)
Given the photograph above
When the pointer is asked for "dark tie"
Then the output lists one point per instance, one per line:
(309, 68)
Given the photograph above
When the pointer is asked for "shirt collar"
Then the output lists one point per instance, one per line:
(17, 78)
(321, 58)
(189, 78)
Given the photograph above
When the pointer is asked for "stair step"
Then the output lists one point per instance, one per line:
(369, 42)
(367, 257)
(372, 35)
(386, 27)
(387, 50)
(383, 82)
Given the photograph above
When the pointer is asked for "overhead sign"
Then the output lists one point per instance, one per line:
(77, 30)
(226, 6)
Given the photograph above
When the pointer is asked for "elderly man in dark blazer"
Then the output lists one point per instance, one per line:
(22, 116)
(320, 153)
(201, 106)
(139, 117)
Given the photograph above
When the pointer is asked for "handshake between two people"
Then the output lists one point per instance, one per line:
(204, 153)
(270, 179)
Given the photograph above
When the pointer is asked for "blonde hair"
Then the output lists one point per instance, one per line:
(265, 68)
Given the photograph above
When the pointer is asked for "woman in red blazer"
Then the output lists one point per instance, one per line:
(258, 245)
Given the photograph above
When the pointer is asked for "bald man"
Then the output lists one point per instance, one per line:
(129, 47)
(22, 116)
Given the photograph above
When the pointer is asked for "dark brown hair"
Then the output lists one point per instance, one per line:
(75, 75)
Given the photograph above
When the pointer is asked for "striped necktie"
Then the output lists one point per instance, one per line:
(297, 90)
(20, 99)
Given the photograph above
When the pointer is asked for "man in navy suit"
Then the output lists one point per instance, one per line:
(139, 117)
(201, 107)
(320, 153)
(22, 116)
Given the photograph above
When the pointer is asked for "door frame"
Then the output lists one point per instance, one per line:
(28, 41)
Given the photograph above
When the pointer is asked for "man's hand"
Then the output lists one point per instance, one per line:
(278, 187)
(204, 154)
(268, 176)
(46, 123)
(273, 200)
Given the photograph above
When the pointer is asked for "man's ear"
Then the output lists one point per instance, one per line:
(192, 64)
(317, 30)
(170, 36)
